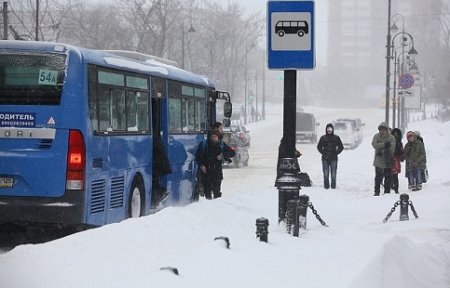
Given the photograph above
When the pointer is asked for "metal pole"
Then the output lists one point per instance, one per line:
(388, 62)
(289, 112)
(245, 85)
(37, 21)
(5, 20)
(394, 96)
(263, 112)
(182, 46)
(287, 182)
(256, 97)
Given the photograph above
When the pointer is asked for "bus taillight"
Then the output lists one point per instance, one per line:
(76, 159)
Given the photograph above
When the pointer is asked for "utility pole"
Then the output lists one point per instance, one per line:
(5, 20)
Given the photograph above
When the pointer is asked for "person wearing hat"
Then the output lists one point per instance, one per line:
(425, 171)
(383, 144)
(330, 146)
(210, 156)
(415, 157)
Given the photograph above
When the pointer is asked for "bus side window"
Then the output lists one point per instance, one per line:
(137, 111)
(104, 116)
(118, 110)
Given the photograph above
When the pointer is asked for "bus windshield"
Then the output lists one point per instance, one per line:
(31, 79)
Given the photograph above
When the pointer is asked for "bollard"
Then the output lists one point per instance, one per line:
(292, 225)
(303, 209)
(287, 183)
(404, 203)
(262, 229)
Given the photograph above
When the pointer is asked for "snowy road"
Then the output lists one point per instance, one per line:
(356, 250)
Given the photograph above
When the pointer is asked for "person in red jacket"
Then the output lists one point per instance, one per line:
(397, 159)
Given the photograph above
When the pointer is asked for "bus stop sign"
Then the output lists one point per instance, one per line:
(290, 35)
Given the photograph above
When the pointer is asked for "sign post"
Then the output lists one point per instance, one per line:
(290, 40)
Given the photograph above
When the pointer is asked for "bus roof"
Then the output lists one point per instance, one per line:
(150, 66)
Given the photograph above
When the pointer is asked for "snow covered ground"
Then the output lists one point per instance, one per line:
(356, 250)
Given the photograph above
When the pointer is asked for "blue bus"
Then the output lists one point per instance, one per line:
(77, 130)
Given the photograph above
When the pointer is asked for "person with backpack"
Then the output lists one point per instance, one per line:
(210, 156)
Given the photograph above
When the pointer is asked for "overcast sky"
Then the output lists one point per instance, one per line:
(321, 12)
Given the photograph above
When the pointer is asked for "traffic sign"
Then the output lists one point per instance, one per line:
(406, 92)
(290, 34)
(406, 81)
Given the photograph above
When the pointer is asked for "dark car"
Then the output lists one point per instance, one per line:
(306, 127)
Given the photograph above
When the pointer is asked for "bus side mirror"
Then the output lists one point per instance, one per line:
(227, 109)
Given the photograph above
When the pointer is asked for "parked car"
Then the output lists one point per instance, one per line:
(236, 128)
(306, 127)
(357, 125)
(230, 137)
(347, 132)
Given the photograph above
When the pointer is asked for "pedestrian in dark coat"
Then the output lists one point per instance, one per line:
(415, 157)
(425, 171)
(330, 146)
(383, 144)
(210, 156)
(397, 158)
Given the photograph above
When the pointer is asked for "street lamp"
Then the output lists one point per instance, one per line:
(395, 97)
(247, 49)
(412, 52)
(190, 30)
(388, 62)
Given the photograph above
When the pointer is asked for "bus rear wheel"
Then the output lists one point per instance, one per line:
(136, 203)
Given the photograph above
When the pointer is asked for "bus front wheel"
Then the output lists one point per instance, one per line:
(136, 203)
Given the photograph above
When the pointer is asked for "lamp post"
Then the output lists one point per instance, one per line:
(395, 98)
(388, 62)
(247, 49)
(190, 30)
(36, 37)
(406, 40)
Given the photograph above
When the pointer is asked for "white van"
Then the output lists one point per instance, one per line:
(347, 132)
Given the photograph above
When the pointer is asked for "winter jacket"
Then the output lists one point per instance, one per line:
(330, 145)
(206, 155)
(415, 155)
(384, 146)
(398, 152)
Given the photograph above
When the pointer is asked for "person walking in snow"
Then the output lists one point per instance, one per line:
(210, 156)
(330, 146)
(383, 143)
(415, 157)
(397, 158)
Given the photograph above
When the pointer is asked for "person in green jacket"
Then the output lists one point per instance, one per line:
(415, 157)
(383, 143)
